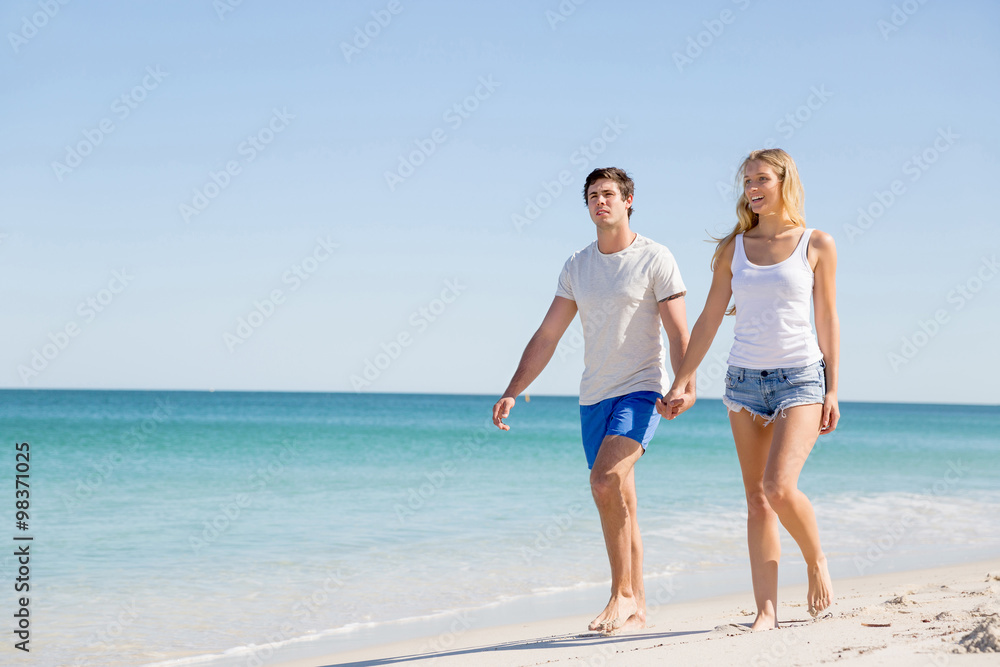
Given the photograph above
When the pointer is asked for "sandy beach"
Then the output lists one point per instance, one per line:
(941, 616)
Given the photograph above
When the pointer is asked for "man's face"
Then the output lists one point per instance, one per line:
(607, 208)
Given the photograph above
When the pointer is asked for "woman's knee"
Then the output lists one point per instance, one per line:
(778, 494)
(757, 505)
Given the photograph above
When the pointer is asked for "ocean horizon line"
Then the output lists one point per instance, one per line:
(414, 393)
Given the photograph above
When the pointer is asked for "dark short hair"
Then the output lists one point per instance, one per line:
(625, 184)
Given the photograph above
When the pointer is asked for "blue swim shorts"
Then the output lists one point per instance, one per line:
(768, 393)
(632, 415)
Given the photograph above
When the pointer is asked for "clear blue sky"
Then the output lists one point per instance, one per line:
(226, 159)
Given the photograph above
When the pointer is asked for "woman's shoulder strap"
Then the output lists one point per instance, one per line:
(804, 245)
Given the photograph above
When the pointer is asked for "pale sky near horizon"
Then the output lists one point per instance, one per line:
(246, 196)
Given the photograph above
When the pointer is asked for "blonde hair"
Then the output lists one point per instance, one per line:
(792, 197)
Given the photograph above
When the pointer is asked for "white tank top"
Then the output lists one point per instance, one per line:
(773, 328)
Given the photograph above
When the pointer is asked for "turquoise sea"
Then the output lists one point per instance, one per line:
(243, 528)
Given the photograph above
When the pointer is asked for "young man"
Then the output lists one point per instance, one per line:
(623, 285)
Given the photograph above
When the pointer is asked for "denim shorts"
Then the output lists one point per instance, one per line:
(632, 415)
(767, 393)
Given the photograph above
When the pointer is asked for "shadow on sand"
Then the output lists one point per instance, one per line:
(589, 640)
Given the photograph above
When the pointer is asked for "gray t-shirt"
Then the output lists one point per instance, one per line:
(618, 297)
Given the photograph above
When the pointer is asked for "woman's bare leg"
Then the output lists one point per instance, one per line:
(753, 446)
(793, 438)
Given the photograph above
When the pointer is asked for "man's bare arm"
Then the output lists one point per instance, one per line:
(673, 314)
(536, 355)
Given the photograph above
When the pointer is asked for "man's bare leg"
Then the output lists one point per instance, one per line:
(636, 621)
(611, 483)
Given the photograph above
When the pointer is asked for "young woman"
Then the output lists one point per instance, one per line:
(781, 386)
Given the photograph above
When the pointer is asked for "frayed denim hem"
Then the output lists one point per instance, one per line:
(733, 406)
(795, 404)
(736, 407)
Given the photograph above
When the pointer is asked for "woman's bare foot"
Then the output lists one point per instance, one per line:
(615, 615)
(820, 595)
(767, 619)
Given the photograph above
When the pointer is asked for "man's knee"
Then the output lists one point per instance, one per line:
(604, 483)
(614, 463)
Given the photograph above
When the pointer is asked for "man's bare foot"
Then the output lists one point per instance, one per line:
(614, 616)
(820, 595)
(635, 622)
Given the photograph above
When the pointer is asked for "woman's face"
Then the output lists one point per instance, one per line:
(762, 188)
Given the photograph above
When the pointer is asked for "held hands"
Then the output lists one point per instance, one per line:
(675, 402)
(501, 410)
(831, 414)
